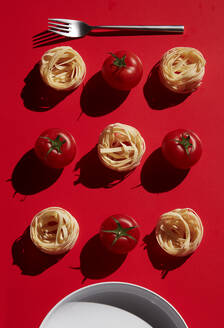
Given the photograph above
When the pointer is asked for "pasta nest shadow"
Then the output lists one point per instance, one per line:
(93, 174)
(28, 258)
(39, 97)
(159, 259)
(157, 95)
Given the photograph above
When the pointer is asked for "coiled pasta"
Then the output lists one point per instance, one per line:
(62, 68)
(181, 69)
(120, 147)
(179, 232)
(54, 230)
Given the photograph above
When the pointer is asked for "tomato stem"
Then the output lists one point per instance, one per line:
(185, 142)
(119, 62)
(55, 144)
(120, 232)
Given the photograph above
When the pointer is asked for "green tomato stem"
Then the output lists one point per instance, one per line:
(55, 144)
(120, 232)
(185, 142)
(119, 62)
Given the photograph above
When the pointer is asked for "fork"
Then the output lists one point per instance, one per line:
(77, 29)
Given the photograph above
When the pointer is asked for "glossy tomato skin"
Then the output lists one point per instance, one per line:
(176, 153)
(126, 77)
(55, 159)
(124, 244)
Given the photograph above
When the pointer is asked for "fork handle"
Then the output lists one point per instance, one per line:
(152, 28)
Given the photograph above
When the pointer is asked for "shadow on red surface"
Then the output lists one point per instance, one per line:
(157, 175)
(47, 38)
(96, 262)
(130, 33)
(98, 98)
(30, 176)
(93, 174)
(157, 95)
(28, 258)
(161, 260)
(37, 96)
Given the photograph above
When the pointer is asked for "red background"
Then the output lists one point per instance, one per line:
(195, 288)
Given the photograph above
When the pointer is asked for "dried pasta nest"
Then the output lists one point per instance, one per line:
(179, 232)
(62, 68)
(54, 230)
(121, 147)
(181, 69)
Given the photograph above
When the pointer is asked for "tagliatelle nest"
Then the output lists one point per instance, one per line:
(54, 230)
(121, 147)
(182, 69)
(62, 68)
(179, 232)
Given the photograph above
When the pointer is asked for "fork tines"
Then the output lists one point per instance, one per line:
(59, 26)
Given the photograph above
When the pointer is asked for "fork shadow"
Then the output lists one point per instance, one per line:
(161, 260)
(28, 258)
(93, 174)
(157, 95)
(47, 38)
(37, 96)
(130, 33)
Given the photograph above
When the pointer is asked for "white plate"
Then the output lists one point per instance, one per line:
(94, 315)
(141, 302)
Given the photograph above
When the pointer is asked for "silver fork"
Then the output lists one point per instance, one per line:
(77, 29)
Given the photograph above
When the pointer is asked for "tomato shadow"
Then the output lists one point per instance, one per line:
(29, 259)
(157, 95)
(98, 98)
(30, 176)
(158, 175)
(161, 260)
(96, 262)
(93, 174)
(37, 96)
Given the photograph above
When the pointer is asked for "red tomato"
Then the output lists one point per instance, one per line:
(122, 70)
(182, 148)
(119, 233)
(55, 148)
